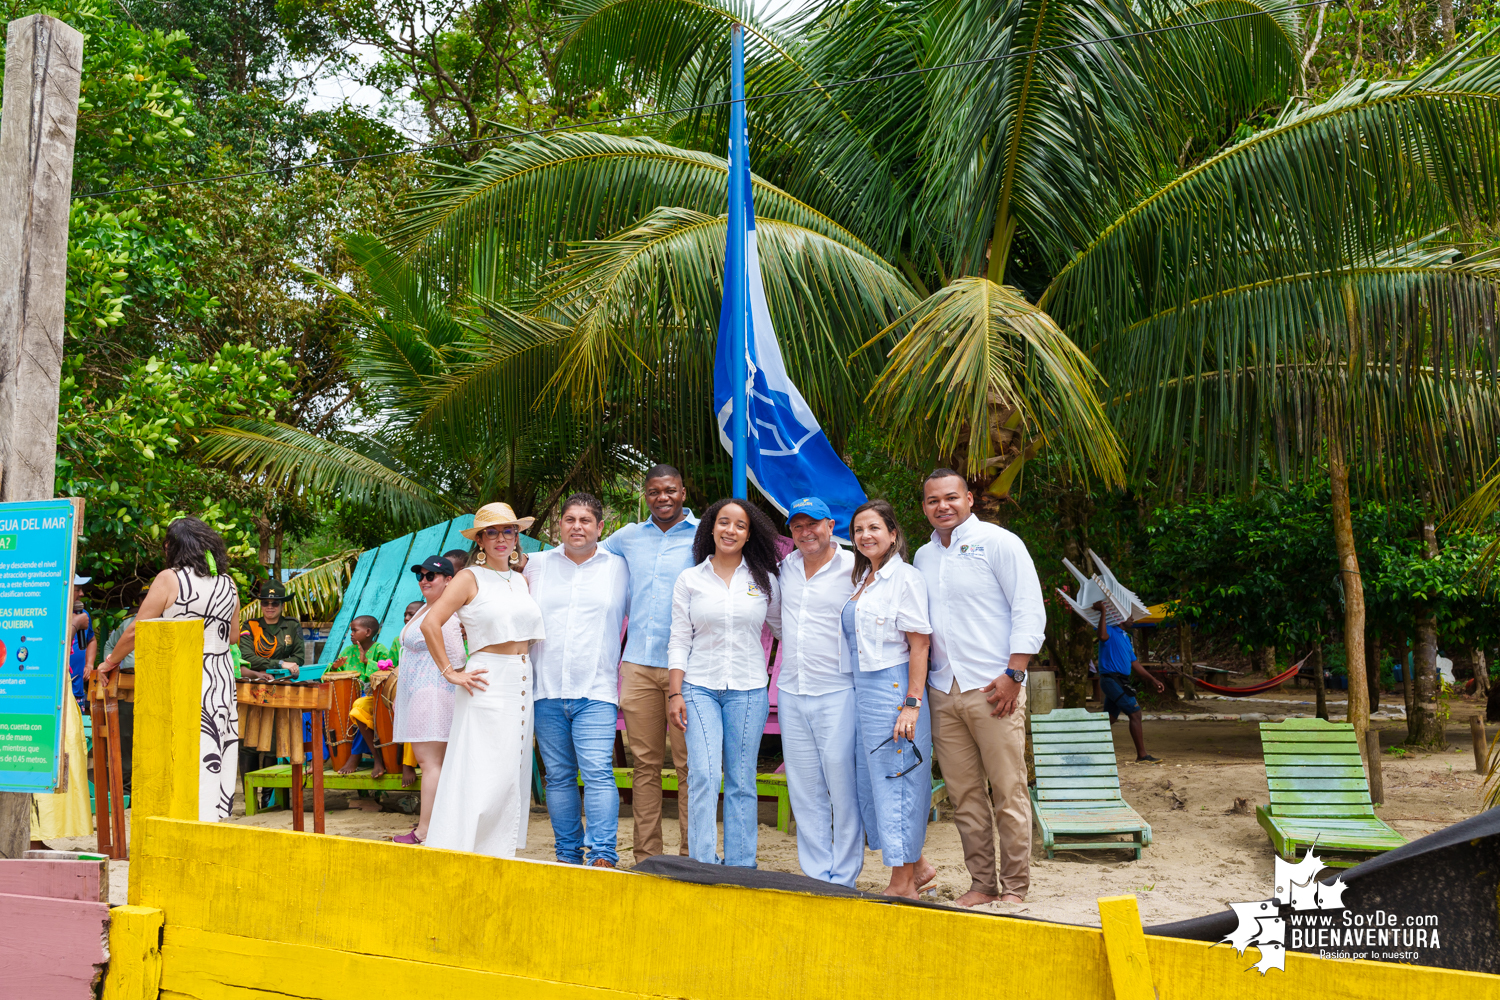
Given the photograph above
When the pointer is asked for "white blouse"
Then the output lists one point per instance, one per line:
(716, 628)
(893, 604)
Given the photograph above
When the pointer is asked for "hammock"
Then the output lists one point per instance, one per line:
(1265, 685)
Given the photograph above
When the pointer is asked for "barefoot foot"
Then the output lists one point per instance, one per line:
(377, 769)
(975, 898)
(408, 776)
(351, 766)
(925, 872)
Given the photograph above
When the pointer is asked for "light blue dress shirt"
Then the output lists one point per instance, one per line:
(656, 558)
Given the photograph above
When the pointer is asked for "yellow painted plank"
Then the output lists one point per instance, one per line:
(134, 971)
(169, 714)
(569, 924)
(209, 966)
(1125, 945)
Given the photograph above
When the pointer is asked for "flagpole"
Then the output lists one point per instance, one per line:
(739, 196)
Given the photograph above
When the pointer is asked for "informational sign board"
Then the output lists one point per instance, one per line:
(37, 547)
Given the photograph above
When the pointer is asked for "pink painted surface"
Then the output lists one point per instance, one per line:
(52, 949)
(83, 880)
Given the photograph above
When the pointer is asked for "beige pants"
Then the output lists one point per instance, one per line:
(643, 702)
(972, 747)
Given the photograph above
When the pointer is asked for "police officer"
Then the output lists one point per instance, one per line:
(271, 641)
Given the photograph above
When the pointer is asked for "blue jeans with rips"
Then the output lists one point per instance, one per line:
(578, 735)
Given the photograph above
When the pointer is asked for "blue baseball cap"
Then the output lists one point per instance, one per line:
(812, 507)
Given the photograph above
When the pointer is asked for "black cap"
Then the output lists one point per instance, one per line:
(434, 564)
(272, 591)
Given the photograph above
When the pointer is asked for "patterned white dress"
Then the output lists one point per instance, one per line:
(424, 701)
(213, 599)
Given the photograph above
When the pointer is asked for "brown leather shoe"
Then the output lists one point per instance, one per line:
(601, 863)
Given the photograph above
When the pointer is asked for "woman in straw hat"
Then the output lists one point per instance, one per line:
(481, 802)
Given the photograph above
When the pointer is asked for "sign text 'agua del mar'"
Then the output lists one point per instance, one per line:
(37, 542)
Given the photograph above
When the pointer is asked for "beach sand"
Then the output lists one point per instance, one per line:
(1203, 856)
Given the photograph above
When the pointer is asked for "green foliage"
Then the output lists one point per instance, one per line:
(130, 455)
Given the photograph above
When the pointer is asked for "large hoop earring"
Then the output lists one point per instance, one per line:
(479, 557)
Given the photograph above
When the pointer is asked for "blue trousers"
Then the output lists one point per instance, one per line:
(896, 808)
(819, 734)
(723, 739)
(578, 735)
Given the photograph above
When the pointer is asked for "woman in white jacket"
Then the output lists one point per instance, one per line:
(886, 630)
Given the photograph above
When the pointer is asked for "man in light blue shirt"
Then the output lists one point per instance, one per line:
(656, 550)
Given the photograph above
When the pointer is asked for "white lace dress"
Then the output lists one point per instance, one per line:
(214, 599)
(424, 701)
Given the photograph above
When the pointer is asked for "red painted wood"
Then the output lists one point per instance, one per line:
(52, 949)
(85, 880)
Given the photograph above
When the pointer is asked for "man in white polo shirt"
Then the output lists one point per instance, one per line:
(815, 706)
(985, 601)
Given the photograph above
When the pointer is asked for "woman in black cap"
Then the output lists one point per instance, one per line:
(424, 700)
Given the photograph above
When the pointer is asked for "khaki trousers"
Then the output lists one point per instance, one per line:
(643, 702)
(972, 748)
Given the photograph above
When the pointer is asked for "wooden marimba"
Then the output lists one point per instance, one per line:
(271, 721)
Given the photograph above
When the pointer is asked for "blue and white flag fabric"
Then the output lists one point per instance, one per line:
(788, 455)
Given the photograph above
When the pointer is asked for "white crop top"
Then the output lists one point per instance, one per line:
(502, 611)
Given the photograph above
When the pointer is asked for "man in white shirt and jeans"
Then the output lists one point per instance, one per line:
(583, 592)
(988, 621)
(815, 706)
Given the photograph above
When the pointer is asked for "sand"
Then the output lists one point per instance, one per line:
(1202, 857)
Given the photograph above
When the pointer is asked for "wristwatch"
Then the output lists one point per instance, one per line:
(1019, 676)
(912, 703)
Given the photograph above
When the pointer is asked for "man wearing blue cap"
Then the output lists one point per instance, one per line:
(815, 703)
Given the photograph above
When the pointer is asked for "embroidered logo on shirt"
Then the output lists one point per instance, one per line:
(971, 550)
(754, 591)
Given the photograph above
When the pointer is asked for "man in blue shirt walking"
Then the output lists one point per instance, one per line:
(656, 550)
(1117, 661)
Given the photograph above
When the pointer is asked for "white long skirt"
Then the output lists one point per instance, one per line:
(483, 797)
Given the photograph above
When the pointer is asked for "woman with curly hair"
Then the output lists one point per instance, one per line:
(196, 584)
(717, 672)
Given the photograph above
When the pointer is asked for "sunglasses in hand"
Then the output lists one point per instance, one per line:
(914, 750)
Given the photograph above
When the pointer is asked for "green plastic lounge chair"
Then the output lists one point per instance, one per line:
(1077, 792)
(1319, 794)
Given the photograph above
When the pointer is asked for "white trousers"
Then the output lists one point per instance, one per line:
(483, 797)
(818, 742)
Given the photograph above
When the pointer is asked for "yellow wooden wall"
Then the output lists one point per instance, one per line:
(223, 912)
(262, 913)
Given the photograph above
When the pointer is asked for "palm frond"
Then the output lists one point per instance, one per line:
(974, 356)
(291, 458)
(316, 593)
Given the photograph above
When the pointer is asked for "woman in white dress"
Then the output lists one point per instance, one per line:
(424, 701)
(196, 584)
(481, 803)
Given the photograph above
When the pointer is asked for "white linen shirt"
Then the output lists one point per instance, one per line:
(716, 628)
(893, 604)
(583, 610)
(812, 656)
(986, 603)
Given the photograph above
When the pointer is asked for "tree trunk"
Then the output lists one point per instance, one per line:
(1445, 8)
(1354, 591)
(1408, 686)
(1265, 660)
(1185, 659)
(1423, 727)
(1372, 671)
(1481, 673)
(1318, 685)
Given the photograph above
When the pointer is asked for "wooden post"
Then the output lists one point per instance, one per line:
(1481, 745)
(168, 720)
(1372, 755)
(38, 119)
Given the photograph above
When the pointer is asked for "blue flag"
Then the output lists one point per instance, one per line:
(779, 445)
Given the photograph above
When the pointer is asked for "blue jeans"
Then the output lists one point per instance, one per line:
(578, 735)
(896, 808)
(723, 738)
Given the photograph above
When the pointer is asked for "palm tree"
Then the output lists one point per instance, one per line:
(993, 225)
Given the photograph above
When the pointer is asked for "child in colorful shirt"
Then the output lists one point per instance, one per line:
(365, 657)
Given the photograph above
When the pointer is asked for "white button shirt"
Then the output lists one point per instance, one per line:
(811, 644)
(986, 603)
(893, 604)
(583, 611)
(716, 628)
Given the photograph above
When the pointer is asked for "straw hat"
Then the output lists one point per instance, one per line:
(495, 515)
